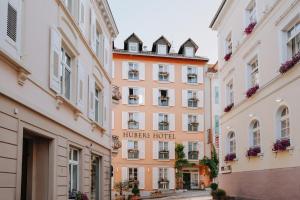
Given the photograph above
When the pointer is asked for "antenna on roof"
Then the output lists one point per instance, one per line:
(172, 50)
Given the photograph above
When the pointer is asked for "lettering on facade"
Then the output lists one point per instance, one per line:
(147, 135)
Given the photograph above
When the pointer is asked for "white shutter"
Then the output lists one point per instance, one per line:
(55, 61)
(124, 149)
(91, 97)
(172, 73)
(80, 85)
(200, 119)
(141, 147)
(155, 150)
(155, 96)
(172, 150)
(200, 74)
(82, 15)
(172, 97)
(93, 30)
(171, 177)
(125, 94)
(141, 92)
(124, 120)
(141, 177)
(113, 71)
(125, 68)
(186, 149)
(155, 174)
(200, 96)
(201, 150)
(172, 122)
(185, 122)
(124, 174)
(112, 119)
(155, 121)
(155, 72)
(142, 71)
(184, 74)
(184, 98)
(142, 120)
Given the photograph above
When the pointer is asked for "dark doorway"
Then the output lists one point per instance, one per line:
(95, 177)
(187, 181)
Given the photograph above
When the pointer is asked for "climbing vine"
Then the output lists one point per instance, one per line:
(212, 164)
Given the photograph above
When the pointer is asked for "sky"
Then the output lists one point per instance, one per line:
(177, 20)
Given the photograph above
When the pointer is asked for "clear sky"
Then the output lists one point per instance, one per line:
(177, 20)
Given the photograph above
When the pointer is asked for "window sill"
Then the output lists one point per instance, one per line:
(259, 155)
(196, 84)
(62, 100)
(133, 159)
(164, 160)
(96, 125)
(134, 80)
(231, 161)
(289, 149)
(164, 82)
(134, 105)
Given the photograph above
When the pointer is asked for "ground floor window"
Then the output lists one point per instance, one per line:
(163, 182)
(133, 176)
(73, 172)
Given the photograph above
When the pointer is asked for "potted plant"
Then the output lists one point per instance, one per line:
(136, 192)
(227, 56)
(252, 91)
(281, 144)
(228, 108)
(248, 30)
(218, 194)
(253, 151)
(230, 157)
(290, 63)
(81, 196)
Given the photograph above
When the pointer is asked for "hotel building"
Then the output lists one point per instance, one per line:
(162, 105)
(259, 43)
(55, 98)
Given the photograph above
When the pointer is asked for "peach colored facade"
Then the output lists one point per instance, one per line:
(52, 143)
(148, 135)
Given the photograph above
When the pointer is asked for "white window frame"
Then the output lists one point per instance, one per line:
(192, 146)
(133, 144)
(73, 163)
(193, 118)
(163, 173)
(163, 146)
(99, 103)
(135, 91)
(251, 13)
(161, 118)
(231, 142)
(253, 76)
(161, 49)
(163, 68)
(284, 131)
(229, 93)
(133, 66)
(255, 133)
(192, 70)
(192, 94)
(189, 51)
(293, 39)
(66, 67)
(98, 42)
(133, 47)
(135, 175)
(133, 116)
(228, 44)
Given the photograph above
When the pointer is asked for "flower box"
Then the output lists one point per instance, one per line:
(228, 108)
(248, 30)
(252, 91)
(281, 145)
(290, 63)
(227, 56)
(230, 157)
(253, 151)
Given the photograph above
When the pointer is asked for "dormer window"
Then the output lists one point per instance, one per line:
(189, 52)
(133, 72)
(163, 73)
(133, 47)
(161, 49)
(163, 99)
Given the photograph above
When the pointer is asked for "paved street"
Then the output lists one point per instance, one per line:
(189, 195)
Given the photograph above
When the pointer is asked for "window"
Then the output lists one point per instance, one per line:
(193, 151)
(163, 182)
(251, 12)
(193, 123)
(98, 43)
(229, 91)
(255, 134)
(132, 121)
(293, 40)
(192, 75)
(133, 47)
(217, 125)
(133, 98)
(95, 177)
(163, 99)
(192, 99)
(231, 143)
(163, 124)
(254, 73)
(284, 123)
(133, 152)
(163, 150)
(161, 49)
(12, 22)
(189, 51)
(133, 71)
(217, 95)
(66, 74)
(132, 176)
(163, 73)
(98, 105)
(70, 5)
(228, 45)
(73, 172)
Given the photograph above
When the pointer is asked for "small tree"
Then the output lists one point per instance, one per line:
(212, 164)
(121, 187)
(135, 190)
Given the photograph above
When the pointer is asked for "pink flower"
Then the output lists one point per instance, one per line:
(290, 63)
(252, 91)
(227, 56)
(229, 107)
(248, 30)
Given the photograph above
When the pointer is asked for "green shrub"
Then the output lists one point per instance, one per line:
(214, 186)
(218, 194)
(135, 190)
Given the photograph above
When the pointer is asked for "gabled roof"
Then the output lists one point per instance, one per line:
(133, 36)
(212, 23)
(161, 38)
(186, 42)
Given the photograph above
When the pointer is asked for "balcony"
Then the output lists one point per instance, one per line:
(163, 76)
(133, 99)
(192, 77)
(133, 124)
(163, 125)
(133, 74)
(193, 102)
(163, 101)
(163, 183)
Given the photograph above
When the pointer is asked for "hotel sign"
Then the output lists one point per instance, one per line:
(148, 135)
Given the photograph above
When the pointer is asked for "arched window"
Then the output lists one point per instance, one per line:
(231, 143)
(284, 123)
(255, 134)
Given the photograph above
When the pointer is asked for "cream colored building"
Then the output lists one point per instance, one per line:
(55, 97)
(256, 37)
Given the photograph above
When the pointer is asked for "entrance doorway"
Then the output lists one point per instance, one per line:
(191, 180)
(96, 178)
(187, 181)
(35, 167)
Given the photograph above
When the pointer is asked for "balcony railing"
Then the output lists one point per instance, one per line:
(133, 153)
(133, 99)
(192, 77)
(163, 125)
(163, 100)
(193, 155)
(132, 124)
(193, 126)
(163, 154)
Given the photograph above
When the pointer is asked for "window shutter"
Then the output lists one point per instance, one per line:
(55, 61)
(155, 174)
(172, 122)
(155, 72)
(80, 85)
(142, 120)
(184, 74)
(124, 174)
(125, 68)
(155, 121)
(186, 149)
(141, 177)
(142, 71)
(124, 120)
(200, 96)
(124, 149)
(141, 93)
(91, 97)
(82, 15)
(141, 149)
(200, 74)
(171, 177)
(155, 150)
(172, 150)
(155, 96)
(172, 73)
(184, 98)
(125, 93)
(201, 150)
(172, 97)
(112, 119)
(185, 122)
(200, 119)
(12, 20)
(93, 30)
